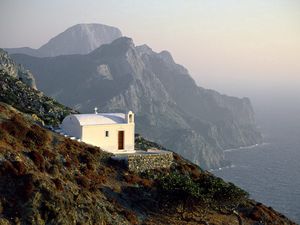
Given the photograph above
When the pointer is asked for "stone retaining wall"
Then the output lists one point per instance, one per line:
(142, 162)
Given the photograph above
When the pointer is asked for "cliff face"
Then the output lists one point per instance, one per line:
(78, 39)
(231, 120)
(17, 71)
(171, 109)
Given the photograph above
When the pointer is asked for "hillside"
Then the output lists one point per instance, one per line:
(78, 39)
(48, 179)
(171, 109)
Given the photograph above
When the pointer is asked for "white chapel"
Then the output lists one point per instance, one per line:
(112, 132)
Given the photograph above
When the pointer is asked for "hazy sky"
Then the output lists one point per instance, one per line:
(239, 47)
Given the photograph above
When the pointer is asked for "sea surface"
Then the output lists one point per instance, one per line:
(270, 172)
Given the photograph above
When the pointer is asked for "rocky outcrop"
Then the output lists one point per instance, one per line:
(170, 108)
(42, 108)
(17, 71)
(78, 39)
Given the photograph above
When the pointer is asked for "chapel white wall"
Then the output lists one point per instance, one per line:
(95, 135)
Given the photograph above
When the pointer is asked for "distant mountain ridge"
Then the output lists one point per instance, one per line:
(78, 39)
(171, 109)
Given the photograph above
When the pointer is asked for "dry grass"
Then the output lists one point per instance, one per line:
(41, 172)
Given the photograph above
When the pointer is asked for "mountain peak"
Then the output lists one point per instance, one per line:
(93, 26)
(118, 46)
(78, 39)
(166, 56)
(124, 41)
(144, 49)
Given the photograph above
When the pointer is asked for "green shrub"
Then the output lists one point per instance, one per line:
(208, 189)
(222, 192)
(180, 185)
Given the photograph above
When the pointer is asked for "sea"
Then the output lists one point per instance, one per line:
(270, 172)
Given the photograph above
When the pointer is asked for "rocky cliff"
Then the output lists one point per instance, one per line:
(16, 70)
(171, 109)
(78, 39)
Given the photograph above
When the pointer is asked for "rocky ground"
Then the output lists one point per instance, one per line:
(49, 179)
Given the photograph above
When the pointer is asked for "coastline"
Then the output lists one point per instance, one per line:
(246, 147)
(231, 165)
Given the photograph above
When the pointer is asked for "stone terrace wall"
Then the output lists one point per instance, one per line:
(142, 162)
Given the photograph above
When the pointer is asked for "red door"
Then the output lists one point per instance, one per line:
(121, 140)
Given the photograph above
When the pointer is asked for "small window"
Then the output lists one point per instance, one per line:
(106, 133)
(130, 118)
